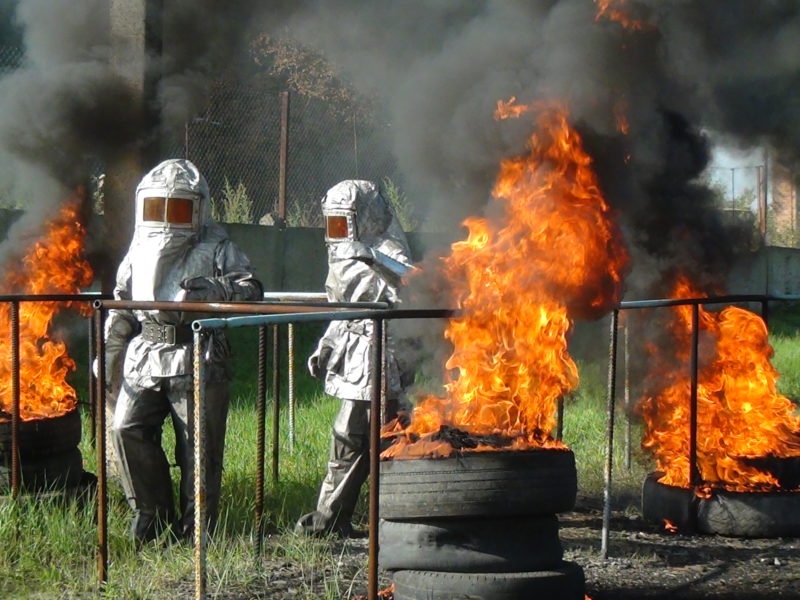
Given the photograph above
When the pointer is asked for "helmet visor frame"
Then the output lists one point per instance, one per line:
(340, 225)
(172, 211)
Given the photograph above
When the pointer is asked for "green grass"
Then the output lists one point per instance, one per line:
(47, 547)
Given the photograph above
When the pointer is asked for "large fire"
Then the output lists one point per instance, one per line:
(742, 420)
(53, 265)
(555, 254)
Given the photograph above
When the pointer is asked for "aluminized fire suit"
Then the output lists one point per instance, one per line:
(177, 253)
(367, 257)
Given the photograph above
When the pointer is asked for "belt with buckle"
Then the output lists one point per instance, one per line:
(156, 333)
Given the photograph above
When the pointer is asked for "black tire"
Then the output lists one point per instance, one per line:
(58, 471)
(733, 514)
(43, 437)
(479, 484)
(563, 583)
(471, 545)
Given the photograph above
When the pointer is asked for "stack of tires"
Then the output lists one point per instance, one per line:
(49, 456)
(481, 526)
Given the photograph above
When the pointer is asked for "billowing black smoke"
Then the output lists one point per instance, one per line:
(439, 68)
(67, 110)
(686, 67)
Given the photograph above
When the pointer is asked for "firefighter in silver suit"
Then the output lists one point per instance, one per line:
(368, 255)
(177, 254)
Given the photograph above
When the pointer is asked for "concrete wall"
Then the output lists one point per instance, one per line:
(295, 259)
(770, 270)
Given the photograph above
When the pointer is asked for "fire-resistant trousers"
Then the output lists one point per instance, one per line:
(348, 467)
(138, 421)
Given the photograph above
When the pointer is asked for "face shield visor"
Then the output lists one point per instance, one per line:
(170, 212)
(340, 225)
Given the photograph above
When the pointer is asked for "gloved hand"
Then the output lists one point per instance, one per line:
(204, 289)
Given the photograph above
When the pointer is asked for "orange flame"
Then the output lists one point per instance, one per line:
(670, 526)
(741, 417)
(51, 266)
(554, 255)
(616, 10)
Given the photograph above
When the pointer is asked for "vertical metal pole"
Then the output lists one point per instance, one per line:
(199, 473)
(694, 473)
(290, 375)
(627, 395)
(92, 381)
(99, 318)
(612, 376)
(276, 399)
(384, 414)
(283, 156)
(560, 419)
(374, 457)
(261, 410)
(15, 391)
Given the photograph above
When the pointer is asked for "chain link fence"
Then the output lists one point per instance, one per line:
(235, 143)
(10, 58)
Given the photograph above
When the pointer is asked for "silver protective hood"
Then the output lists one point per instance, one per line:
(159, 249)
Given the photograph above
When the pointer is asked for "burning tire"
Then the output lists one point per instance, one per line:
(471, 545)
(735, 514)
(480, 484)
(43, 437)
(565, 583)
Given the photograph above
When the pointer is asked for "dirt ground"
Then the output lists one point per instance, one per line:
(648, 564)
(644, 563)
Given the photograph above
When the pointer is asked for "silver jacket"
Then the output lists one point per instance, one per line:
(192, 262)
(367, 267)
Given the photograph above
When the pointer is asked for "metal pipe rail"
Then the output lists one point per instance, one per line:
(695, 303)
(376, 385)
(272, 313)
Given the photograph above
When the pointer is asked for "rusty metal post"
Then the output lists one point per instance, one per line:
(199, 472)
(276, 399)
(560, 418)
(374, 457)
(261, 411)
(100, 446)
(92, 381)
(627, 395)
(694, 473)
(15, 391)
(290, 377)
(283, 157)
(612, 376)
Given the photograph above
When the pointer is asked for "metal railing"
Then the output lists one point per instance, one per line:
(271, 314)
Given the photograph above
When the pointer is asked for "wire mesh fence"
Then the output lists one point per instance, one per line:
(236, 142)
(10, 58)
